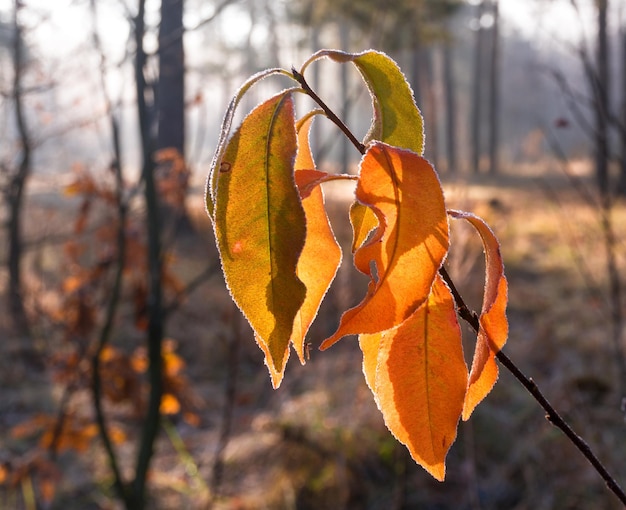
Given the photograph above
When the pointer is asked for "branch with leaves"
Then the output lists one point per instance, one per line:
(279, 257)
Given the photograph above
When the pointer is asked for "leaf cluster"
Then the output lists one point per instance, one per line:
(279, 255)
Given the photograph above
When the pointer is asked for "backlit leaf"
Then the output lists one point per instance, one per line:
(494, 326)
(405, 252)
(363, 221)
(210, 189)
(418, 376)
(396, 120)
(321, 255)
(260, 223)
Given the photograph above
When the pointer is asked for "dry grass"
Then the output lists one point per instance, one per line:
(319, 441)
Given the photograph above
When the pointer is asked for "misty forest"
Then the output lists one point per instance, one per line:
(312, 254)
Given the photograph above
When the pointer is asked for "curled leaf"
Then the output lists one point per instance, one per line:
(260, 224)
(418, 376)
(396, 120)
(494, 326)
(321, 255)
(404, 254)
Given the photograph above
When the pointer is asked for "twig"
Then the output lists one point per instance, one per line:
(472, 318)
(230, 394)
(180, 296)
(114, 298)
(150, 426)
(329, 113)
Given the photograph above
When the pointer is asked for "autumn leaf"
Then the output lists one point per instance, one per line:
(227, 122)
(404, 254)
(321, 255)
(363, 221)
(260, 224)
(396, 119)
(494, 326)
(418, 375)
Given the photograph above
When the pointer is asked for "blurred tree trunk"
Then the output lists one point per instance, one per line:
(274, 44)
(17, 181)
(431, 106)
(475, 128)
(494, 88)
(449, 84)
(600, 88)
(155, 330)
(171, 114)
(416, 64)
(171, 87)
(344, 39)
(601, 94)
(622, 177)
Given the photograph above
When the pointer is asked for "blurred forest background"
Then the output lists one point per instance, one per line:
(128, 379)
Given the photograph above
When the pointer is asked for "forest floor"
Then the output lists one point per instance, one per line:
(319, 441)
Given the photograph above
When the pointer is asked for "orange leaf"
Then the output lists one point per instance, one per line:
(418, 376)
(260, 223)
(321, 255)
(169, 404)
(304, 156)
(494, 327)
(409, 244)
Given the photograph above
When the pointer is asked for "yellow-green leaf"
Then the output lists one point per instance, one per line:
(418, 376)
(210, 188)
(494, 326)
(363, 221)
(397, 119)
(405, 252)
(260, 223)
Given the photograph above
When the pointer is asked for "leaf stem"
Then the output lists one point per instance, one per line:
(329, 113)
(472, 318)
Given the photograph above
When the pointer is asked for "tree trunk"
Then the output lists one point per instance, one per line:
(431, 110)
(344, 158)
(171, 114)
(150, 426)
(601, 93)
(475, 128)
(494, 97)
(171, 87)
(621, 188)
(17, 183)
(450, 105)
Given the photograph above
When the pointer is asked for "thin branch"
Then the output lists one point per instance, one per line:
(551, 414)
(472, 318)
(150, 426)
(230, 394)
(114, 298)
(329, 113)
(189, 288)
